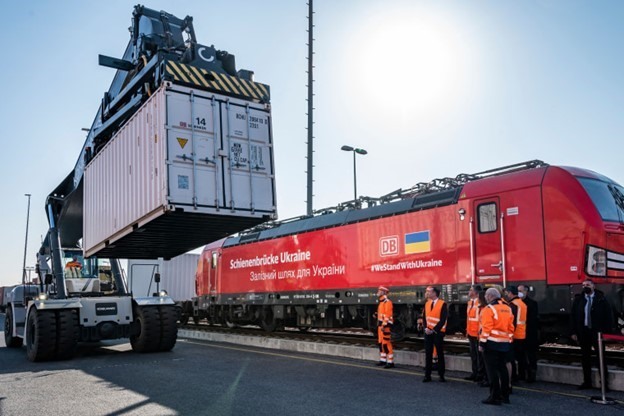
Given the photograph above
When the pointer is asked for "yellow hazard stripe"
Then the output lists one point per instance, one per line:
(199, 76)
(229, 83)
(257, 89)
(219, 81)
(179, 72)
(186, 69)
(263, 88)
(240, 83)
(211, 79)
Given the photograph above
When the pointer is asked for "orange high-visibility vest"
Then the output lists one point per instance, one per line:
(433, 315)
(497, 323)
(384, 312)
(472, 318)
(520, 324)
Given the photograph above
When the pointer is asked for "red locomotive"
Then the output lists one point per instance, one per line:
(546, 226)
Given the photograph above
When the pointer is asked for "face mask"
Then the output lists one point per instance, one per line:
(587, 290)
(520, 295)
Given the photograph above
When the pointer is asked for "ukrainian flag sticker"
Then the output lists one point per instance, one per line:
(418, 242)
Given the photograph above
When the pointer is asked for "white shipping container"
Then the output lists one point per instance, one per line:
(188, 168)
(177, 276)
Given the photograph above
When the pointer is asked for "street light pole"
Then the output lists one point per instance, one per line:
(26, 240)
(355, 151)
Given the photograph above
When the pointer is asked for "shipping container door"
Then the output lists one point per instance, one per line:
(192, 151)
(249, 174)
(488, 253)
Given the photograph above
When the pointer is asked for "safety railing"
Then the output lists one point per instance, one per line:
(603, 377)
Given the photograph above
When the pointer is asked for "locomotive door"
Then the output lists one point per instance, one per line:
(212, 274)
(488, 250)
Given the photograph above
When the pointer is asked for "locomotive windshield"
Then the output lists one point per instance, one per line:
(608, 198)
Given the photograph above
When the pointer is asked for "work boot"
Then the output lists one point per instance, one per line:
(389, 365)
(491, 400)
(381, 363)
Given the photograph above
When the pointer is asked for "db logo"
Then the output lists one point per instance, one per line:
(389, 246)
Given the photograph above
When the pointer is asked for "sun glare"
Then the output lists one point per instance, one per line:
(417, 64)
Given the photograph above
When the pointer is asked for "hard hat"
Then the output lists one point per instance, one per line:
(385, 289)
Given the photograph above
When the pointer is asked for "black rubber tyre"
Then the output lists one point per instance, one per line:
(67, 333)
(267, 320)
(9, 339)
(41, 335)
(168, 327)
(147, 336)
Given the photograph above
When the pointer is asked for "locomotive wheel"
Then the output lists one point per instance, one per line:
(147, 336)
(41, 335)
(168, 327)
(184, 318)
(196, 319)
(9, 339)
(267, 320)
(67, 333)
(398, 331)
(229, 324)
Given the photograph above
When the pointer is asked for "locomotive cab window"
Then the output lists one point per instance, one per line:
(215, 257)
(487, 217)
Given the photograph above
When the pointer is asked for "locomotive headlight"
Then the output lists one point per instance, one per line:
(596, 261)
(162, 293)
(43, 296)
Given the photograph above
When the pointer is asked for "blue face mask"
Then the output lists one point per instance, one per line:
(520, 295)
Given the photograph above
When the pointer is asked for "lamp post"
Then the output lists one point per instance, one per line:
(26, 240)
(355, 151)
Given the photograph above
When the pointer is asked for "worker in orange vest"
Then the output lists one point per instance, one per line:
(435, 315)
(495, 340)
(384, 327)
(519, 352)
(472, 332)
(74, 263)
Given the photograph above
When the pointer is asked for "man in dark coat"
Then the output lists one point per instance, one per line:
(532, 331)
(591, 314)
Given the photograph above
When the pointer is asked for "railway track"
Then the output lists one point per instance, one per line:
(454, 344)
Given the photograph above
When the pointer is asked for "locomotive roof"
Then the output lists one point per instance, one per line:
(424, 195)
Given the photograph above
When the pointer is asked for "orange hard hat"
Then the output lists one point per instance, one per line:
(385, 289)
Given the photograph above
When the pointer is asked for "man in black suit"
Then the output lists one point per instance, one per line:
(532, 331)
(591, 313)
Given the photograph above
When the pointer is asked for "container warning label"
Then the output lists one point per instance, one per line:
(182, 142)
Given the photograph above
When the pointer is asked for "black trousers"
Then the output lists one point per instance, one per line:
(437, 340)
(531, 347)
(588, 339)
(519, 372)
(478, 366)
(497, 373)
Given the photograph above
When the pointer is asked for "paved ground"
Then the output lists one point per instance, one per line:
(199, 378)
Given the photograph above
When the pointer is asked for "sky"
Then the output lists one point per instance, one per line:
(430, 89)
